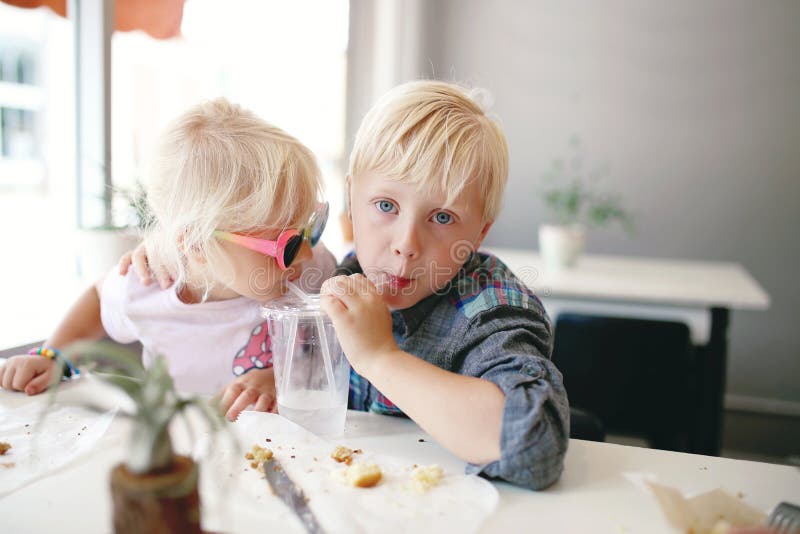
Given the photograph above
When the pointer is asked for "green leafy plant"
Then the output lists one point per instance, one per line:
(128, 208)
(155, 401)
(136, 204)
(571, 194)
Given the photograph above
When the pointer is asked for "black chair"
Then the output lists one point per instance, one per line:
(636, 376)
(584, 425)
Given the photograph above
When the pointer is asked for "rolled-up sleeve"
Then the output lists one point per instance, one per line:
(511, 347)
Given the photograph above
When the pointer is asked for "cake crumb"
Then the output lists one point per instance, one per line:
(258, 455)
(425, 477)
(364, 475)
(4, 447)
(342, 454)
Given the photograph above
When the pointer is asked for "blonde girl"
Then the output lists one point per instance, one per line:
(235, 208)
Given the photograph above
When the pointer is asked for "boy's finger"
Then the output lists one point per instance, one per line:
(363, 285)
(38, 384)
(359, 293)
(332, 305)
(335, 286)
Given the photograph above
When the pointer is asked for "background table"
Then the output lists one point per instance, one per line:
(698, 293)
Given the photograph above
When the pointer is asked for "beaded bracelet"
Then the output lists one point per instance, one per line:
(55, 354)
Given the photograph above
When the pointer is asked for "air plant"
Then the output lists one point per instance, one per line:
(155, 401)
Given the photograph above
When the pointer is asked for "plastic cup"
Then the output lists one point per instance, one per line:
(312, 375)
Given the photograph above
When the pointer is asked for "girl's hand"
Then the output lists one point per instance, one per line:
(362, 320)
(138, 258)
(31, 374)
(256, 387)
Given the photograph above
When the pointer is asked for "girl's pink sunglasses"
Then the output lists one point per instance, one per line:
(285, 248)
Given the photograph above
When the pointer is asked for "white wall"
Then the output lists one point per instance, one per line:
(695, 109)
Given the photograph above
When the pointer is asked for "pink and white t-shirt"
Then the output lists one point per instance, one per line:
(206, 345)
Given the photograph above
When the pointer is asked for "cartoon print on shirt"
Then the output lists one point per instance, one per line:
(257, 354)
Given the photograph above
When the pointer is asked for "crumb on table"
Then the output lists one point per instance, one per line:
(258, 455)
(4, 447)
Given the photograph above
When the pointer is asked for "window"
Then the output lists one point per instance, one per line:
(270, 56)
(37, 178)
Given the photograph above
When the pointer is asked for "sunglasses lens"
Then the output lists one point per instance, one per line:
(291, 249)
(314, 231)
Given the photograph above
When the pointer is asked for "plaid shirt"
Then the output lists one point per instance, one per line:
(488, 324)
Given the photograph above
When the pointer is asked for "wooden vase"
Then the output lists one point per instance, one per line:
(155, 503)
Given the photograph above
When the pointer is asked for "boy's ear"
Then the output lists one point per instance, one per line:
(482, 235)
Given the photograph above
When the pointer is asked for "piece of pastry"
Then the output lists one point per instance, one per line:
(425, 477)
(342, 454)
(359, 475)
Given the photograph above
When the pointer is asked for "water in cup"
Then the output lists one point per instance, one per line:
(311, 373)
(317, 411)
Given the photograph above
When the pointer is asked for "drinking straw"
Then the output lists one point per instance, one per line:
(292, 338)
(326, 351)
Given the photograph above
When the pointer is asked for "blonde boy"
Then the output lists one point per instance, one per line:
(434, 329)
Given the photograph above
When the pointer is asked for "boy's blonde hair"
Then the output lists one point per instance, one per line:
(436, 136)
(220, 167)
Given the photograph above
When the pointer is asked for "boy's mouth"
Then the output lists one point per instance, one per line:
(398, 282)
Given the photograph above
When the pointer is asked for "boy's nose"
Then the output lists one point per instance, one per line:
(406, 243)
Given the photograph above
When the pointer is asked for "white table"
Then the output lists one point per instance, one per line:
(593, 495)
(698, 293)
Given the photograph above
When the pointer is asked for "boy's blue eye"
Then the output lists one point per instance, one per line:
(443, 217)
(385, 206)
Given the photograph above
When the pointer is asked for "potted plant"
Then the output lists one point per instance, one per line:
(154, 490)
(100, 247)
(572, 197)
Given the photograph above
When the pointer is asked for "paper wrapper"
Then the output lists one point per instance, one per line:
(459, 503)
(71, 433)
(712, 512)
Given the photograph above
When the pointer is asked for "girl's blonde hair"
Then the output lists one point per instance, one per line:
(437, 136)
(220, 167)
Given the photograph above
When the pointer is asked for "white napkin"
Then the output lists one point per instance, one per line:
(459, 503)
(704, 513)
(71, 432)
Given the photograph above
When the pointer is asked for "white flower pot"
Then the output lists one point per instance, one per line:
(100, 249)
(560, 246)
